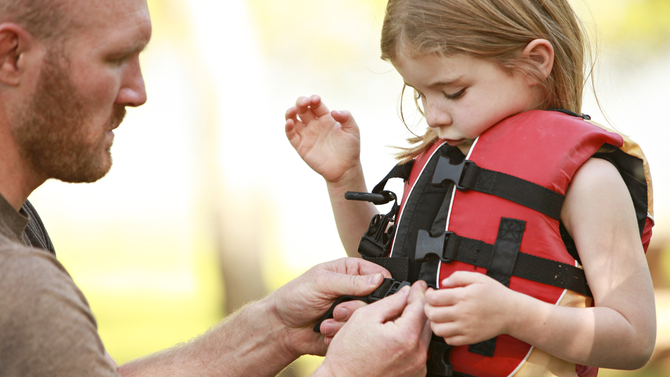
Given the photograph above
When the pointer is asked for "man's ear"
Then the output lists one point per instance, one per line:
(14, 42)
(541, 53)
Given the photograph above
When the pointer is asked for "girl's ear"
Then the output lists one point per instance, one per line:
(541, 53)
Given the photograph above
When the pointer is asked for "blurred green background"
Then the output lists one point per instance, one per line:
(208, 206)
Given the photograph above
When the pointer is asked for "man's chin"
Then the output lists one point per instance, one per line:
(86, 174)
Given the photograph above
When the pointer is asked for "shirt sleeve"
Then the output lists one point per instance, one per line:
(46, 325)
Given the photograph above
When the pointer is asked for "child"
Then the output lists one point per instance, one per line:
(485, 73)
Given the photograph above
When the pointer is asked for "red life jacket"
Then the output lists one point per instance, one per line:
(544, 148)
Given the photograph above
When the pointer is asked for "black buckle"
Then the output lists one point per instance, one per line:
(427, 245)
(372, 197)
(446, 171)
(438, 363)
(387, 288)
(376, 242)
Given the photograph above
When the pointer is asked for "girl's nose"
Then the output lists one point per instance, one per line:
(436, 116)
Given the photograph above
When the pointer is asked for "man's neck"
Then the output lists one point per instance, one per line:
(17, 180)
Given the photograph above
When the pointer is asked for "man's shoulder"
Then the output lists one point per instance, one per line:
(46, 325)
(26, 270)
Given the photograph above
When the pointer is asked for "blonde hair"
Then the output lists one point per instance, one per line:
(494, 30)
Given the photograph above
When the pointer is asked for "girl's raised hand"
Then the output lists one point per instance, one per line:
(469, 308)
(328, 141)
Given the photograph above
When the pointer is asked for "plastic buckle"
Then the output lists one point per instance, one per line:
(446, 171)
(394, 287)
(438, 362)
(428, 245)
(374, 198)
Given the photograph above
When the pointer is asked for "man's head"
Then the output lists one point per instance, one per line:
(44, 19)
(65, 87)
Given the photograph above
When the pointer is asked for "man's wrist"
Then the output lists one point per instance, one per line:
(277, 330)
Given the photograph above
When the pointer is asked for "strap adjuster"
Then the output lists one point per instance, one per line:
(444, 246)
(387, 288)
(446, 171)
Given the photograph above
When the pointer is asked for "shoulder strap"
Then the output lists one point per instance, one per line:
(468, 176)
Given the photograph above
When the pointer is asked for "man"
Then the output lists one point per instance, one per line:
(68, 69)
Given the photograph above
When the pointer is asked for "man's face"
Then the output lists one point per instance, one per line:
(53, 136)
(85, 83)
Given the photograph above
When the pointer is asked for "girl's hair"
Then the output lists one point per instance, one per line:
(494, 30)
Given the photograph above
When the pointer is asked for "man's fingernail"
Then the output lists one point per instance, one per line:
(342, 314)
(375, 279)
(328, 328)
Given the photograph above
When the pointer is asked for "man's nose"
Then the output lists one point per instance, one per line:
(132, 91)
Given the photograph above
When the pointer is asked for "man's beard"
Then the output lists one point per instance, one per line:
(52, 135)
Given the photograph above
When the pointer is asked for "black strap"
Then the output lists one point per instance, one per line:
(421, 209)
(468, 176)
(505, 250)
(574, 114)
(387, 288)
(399, 171)
(449, 246)
(398, 267)
(438, 364)
(501, 267)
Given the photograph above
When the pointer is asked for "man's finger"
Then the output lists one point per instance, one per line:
(414, 313)
(344, 310)
(386, 309)
(356, 266)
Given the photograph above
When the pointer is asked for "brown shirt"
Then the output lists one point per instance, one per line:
(46, 325)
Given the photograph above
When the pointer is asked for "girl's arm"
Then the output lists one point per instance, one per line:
(619, 332)
(329, 142)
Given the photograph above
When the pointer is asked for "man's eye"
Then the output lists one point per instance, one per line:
(456, 95)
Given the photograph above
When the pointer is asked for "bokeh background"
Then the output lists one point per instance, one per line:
(208, 206)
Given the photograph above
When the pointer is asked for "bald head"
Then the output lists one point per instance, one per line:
(44, 19)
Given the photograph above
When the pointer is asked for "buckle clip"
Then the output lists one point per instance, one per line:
(376, 242)
(427, 245)
(446, 171)
(372, 197)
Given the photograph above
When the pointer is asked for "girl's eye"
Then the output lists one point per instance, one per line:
(417, 95)
(456, 95)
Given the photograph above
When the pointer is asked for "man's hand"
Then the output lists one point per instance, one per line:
(387, 338)
(300, 303)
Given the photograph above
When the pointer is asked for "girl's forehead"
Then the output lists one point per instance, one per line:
(434, 61)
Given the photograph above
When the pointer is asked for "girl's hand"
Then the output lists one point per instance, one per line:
(470, 308)
(329, 142)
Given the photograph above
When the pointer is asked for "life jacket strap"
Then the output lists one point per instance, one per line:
(468, 176)
(387, 288)
(449, 247)
(438, 364)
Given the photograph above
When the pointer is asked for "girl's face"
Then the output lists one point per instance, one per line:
(463, 96)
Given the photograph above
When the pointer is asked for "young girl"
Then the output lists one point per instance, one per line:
(510, 259)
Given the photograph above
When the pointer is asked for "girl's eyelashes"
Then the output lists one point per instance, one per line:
(419, 96)
(456, 95)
